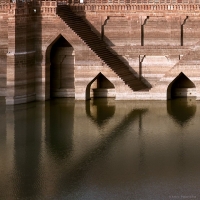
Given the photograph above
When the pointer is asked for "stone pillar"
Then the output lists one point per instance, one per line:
(80, 90)
(20, 57)
(43, 76)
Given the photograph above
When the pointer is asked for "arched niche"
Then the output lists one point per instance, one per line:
(181, 86)
(62, 58)
(100, 87)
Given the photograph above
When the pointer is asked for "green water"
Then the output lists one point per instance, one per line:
(100, 149)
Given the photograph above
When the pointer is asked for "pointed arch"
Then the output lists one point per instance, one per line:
(47, 47)
(181, 86)
(61, 56)
(43, 56)
(100, 86)
(55, 37)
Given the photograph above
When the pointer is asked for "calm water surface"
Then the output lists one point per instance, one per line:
(100, 149)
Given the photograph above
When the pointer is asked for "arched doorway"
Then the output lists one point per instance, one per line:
(62, 69)
(100, 86)
(181, 86)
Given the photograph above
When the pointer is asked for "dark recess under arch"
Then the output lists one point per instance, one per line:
(181, 86)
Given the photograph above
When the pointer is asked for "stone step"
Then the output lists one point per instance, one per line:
(98, 46)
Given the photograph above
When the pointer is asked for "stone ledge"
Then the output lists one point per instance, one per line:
(64, 93)
(102, 92)
(20, 99)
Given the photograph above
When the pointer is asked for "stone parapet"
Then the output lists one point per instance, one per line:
(49, 7)
(133, 5)
(20, 8)
(20, 99)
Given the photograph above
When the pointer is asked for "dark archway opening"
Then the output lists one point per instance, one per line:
(62, 58)
(100, 87)
(181, 87)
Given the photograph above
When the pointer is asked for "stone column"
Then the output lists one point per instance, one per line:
(43, 76)
(20, 57)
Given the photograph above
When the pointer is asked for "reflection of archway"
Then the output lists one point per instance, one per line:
(61, 120)
(182, 110)
(100, 110)
(100, 86)
(181, 86)
(62, 69)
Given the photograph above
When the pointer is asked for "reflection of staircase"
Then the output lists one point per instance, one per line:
(99, 47)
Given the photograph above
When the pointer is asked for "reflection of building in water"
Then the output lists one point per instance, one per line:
(182, 109)
(100, 110)
(59, 130)
(24, 133)
(55, 148)
(94, 141)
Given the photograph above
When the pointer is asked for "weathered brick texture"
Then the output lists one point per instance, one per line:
(42, 55)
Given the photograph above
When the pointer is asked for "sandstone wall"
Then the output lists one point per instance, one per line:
(21, 56)
(156, 46)
(122, 30)
(162, 31)
(191, 30)
(77, 76)
(3, 51)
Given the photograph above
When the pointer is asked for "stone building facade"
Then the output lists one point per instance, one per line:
(126, 49)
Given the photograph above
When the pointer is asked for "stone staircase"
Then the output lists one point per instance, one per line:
(191, 58)
(100, 48)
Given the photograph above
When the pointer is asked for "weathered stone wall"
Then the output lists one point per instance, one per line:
(162, 31)
(3, 51)
(86, 67)
(156, 45)
(191, 30)
(122, 30)
(21, 56)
